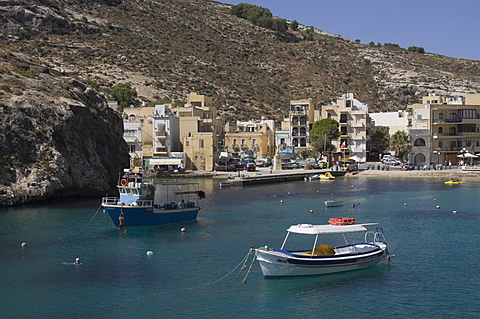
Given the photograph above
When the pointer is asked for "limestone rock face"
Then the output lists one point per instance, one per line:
(58, 138)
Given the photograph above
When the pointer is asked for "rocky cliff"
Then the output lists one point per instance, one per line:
(58, 137)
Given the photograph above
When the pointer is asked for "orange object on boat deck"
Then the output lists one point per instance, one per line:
(341, 221)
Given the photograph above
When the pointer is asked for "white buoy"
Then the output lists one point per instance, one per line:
(183, 229)
(404, 204)
(281, 201)
(437, 207)
(24, 244)
(149, 253)
(454, 211)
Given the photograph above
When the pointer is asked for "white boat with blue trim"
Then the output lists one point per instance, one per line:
(319, 258)
(148, 204)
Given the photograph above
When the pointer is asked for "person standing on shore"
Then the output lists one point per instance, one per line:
(449, 164)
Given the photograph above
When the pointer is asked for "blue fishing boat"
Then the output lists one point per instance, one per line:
(147, 204)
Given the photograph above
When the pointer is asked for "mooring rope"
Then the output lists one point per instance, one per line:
(94, 216)
(250, 268)
(242, 261)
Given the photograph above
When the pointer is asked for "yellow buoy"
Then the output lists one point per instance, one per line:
(311, 211)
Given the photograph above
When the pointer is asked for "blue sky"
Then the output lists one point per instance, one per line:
(445, 27)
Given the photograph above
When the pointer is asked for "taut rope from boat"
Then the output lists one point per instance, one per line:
(244, 281)
(94, 216)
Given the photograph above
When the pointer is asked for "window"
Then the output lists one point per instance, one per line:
(467, 114)
(295, 131)
(201, 143)
(234, 142)
(440, 130)
(440, 116)
(131, 148)
(343, 130)
(303, 120)
(254, 142)
(419, 116)
(295, 120)
(329, 115)
(303, 142)
(295, 142)
(440, 144)
(187, 143)
(343, 118)
(419, 142)
(303, 131)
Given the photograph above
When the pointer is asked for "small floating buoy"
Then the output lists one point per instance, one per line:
(437, 207)
(434, 199)
(331, 194)
(404, 204)
(149, 253)
(183, 229)
(372, 196)
(454, 211)
(24, 244)
(281, 201)
(311, 211)
(274, 195)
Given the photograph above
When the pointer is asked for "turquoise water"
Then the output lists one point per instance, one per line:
(436, 269)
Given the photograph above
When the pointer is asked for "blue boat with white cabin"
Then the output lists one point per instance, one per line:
(148, 204)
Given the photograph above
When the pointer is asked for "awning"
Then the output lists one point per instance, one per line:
(165, 161)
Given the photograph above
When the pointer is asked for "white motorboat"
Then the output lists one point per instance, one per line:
(321, 258)
(333, 203)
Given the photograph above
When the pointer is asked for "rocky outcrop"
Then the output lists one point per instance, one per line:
(58, 137)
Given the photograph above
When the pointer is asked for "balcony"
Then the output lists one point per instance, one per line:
(356, 124)
(160, 134)
(451, 135)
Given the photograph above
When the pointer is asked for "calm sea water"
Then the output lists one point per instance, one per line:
(435, 274)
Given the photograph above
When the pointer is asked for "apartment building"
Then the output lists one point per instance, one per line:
(256, 135)
(354, 121)
(442, 128)
(201, 131)
(299, 122)
(152, 135)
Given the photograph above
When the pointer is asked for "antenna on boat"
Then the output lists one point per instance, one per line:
(353, 209)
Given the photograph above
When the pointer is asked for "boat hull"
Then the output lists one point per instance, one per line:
(274, 263)
(150, 216)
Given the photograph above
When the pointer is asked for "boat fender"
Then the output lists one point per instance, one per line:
(123, 182)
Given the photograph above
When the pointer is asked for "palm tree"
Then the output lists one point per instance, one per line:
(400, 143)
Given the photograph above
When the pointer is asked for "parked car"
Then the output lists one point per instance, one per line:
(392, 161)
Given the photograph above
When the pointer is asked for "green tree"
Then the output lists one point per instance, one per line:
(380, 141)
(400, 143)
(357, 41)
(124, 94)
(416, 49)
(322, 133)
(294, 25)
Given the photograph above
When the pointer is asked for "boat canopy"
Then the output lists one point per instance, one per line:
(310, 229)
